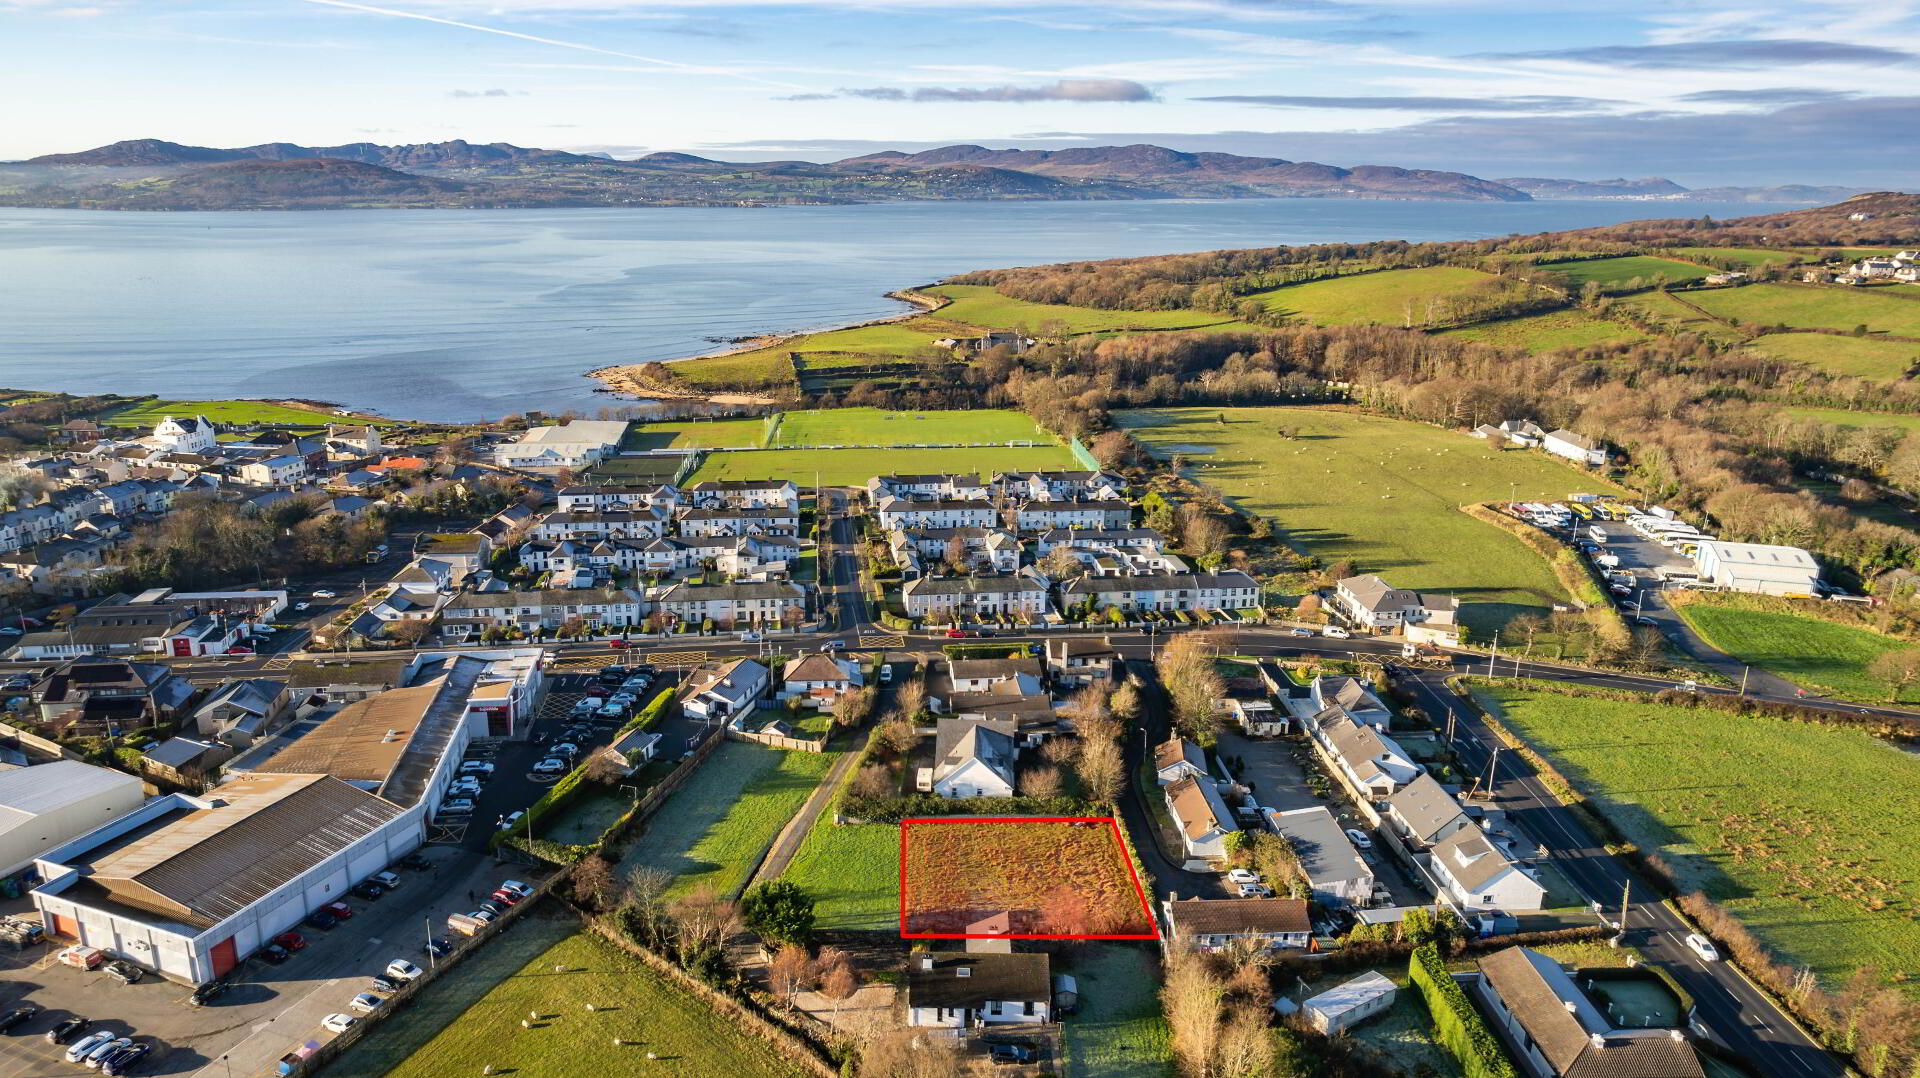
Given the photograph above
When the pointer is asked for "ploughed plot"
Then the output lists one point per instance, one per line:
(1018, 878)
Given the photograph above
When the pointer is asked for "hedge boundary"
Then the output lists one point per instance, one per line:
(1457, 1025)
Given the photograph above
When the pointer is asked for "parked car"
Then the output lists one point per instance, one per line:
(886, 672)
(1359, 838)
(515, 887)
(101, 1051)
(614, 670)
(1297, 631)
(550, 766)
(1243, 875)
(339, 909)
(611, 711)
(20, 681)
(1254, 890)
(1703, 947)
(464, 788)
(505, 897)
(1010, 1054)
(18, 1015)
(368, 890)
(495, 908)
(338, 1023)
(1335, 631)
(206, 993)
(511, 818)
(476, 767)
(456, 806)
(417, 862)
(387, 880)
(365, 1002)
(564, 748)
(68, 1028)
(239, 649)
(402, 969)
(322, 920)
(437, 948)
(125, 972)
(485, 917)
(275, 953)
(292, 941)
(85, 1045)
(124, 1060)
(957, 634)
(383, 983)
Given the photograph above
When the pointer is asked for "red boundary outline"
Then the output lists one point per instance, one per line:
(1119, 841)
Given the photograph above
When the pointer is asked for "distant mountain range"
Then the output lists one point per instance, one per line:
(158, 175)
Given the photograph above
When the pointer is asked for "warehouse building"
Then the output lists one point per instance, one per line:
(48, 805)
(1754, 567)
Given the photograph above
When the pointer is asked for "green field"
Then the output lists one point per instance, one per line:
(1861, 357)
(1745, 256)
(648, 1015)
(1385, 298)
(1833, 307)
(1381, 493)
(758, 368)
(1119, 1031)
(1844, 418)
(234, 412)
(1617, 271)
(1666, 309)
(696, 434)
(1802, 831)
(853, 873)
(876, 426)
(713, 830)
(853, 467)
(1545, 332)
(1811, 653)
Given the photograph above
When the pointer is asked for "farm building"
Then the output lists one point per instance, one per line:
(51, 803)
(1347, 1005)
(1767, 570)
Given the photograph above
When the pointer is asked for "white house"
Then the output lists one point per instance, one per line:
(894, 513)
(1370, 764)
(1037, 516)
(577, 444)
(727, 691)
(966, 598)
(1351, 697)
(1755, 567)
(732, 605)
(184, 434)
(1575, 447)
(1201, 816)
(974, 758)
(777, 520)
(1422, 812)
(275, 471)
(1478, 876)
(1214, 924)
(952, 487)
(1373, 604)
(1189, 592)
(818, 680)
(1177, 758)
(745, 494)
(963, 990)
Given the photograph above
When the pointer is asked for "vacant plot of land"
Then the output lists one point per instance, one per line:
(1050, 878)
(696, 434)
(1861, 420)
(1381, 493)
(1814, 654)
(1619, 271)
(1745, 256)
(849, 467)
(853, 873)
(877, 426)
(1861, 357)
(1390, 297)
(1119, 1031)
(1795, 828)
(236, 412)
(712, 831)
(759, 368)
(1545, 332)
(639, 1023)
(1810, 305)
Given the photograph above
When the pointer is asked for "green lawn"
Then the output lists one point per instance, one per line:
(633, 1004)
(1816, 654)
(1386, 297)
(763, 368)
(1382, 493)
(849, 467)
(1745, 256)
(1843, 417)
(696, 434)
(713, 830)
(853, 873)
(1544, 332)
(236, 412)
(1119, 1031)
(1805, 832)
(1862, 357)
(877, 426)
(1618, 271)
(1833, 307)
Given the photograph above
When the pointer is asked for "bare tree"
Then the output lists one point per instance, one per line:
(1192, 997)
(873, 780)
(911, 698)
(1040, 781)
(1897, 669)
(958, 558)
(705, 918)
(1061, 563)
(791, 972)
(1187, 670)
(1102, 770)
(596, 884)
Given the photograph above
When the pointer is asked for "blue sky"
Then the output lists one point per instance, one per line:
(1703, 91)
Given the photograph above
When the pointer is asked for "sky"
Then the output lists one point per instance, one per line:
(1705, 92)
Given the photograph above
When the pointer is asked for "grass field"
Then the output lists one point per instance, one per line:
(1671, 311)
(1863, 420)
(1384, 298)
(1119, 1031)
(876, 426)
(847, 467)
(649, 1016)
(1745, 256)
(712, 831)
(1861, 357)
(1615, 271)
(1382, 493)
(1544, 332)
(853, 873)
(758, 368)
(696, 434)
(1797, 829)
(1053, 878)
(1808, 305)
(1811, 653)
(981, 305)
(236, 412)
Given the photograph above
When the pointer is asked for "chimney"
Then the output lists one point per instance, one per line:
(1599, 1040)
(926, 962)
(1571, 1006)
(963, 971)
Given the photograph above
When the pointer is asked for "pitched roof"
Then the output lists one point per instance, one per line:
(815, 667)
(958, 742)
(1471, 858)
(1175, 749)
(1237, 916)
(1425, 806)
(1578, 1040)
(1017, 977)
(1198, 809)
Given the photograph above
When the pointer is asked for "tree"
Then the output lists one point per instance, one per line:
(1101, 768)
(1125, 703)
(704, 919)
(911, 698)
(1897, 669)
(1113, 449)
(837, 978)
(853, 707)
(1191, 996)
(872, 781)
(1061, 563)
(779, 910)
(896, 736)
(1187, 670)
(1040, 781)
(595, 883)
(958, 558)
(790, 972)
(1309, 607)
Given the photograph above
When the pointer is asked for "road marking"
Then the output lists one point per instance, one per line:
(675, 658)
(877, 641)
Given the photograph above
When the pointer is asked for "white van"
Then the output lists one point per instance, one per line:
(1335, 631)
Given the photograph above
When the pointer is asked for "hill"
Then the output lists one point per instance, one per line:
(303, 182)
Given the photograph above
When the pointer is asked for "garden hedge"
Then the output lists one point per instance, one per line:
(1457, 1025)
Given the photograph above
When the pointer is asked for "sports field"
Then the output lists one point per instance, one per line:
(235, 412)
(1390, 297)
(852, 467)
(1810, 305)
(1381, 493)
(853, 873)
(1619, 271)
(713, 831)
(696, 433)
(876, 426)
(1545, 332)
(1049, 878)
(1861, 357)
(1817, 655)
(1824, 871)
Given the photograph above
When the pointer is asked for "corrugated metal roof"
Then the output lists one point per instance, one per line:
(362, 741)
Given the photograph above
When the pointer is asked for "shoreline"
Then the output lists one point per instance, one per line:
(625, 377)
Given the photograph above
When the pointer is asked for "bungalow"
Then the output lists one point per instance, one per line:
(985, 675)
(1521, 432)
(746, 494)
(630, 751)
(723, 692)
(573, 445)
(960, 990)
(1078, 660)
(1165, 592)
(1575, 447)
(1037, 516)
(892, 513)
(974, 758)
(1334, 870)
(1558, 1030)
(1201, 816)
(185, 761)
(774, 521)
(1215, 924)
(1422, 813)
(818, 680)
(966, 598)
(1351, 697)
(731, 605)
(1177, 758)
(1478, 876)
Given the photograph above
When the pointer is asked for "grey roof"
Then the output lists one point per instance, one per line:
(1016, 977)
(972, 585)
(1326, 855)
(1575, 1037)
(256, 695)
(693, 593)
(178, 752)
(1471, 858)
(1425, 806)
(990, 741)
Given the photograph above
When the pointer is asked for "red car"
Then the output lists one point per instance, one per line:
(617, 645)
(339, 909)
(505, 898)
(292, 941)
(957, 634)
(240, 650)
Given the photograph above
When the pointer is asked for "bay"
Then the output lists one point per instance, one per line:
(474, 314)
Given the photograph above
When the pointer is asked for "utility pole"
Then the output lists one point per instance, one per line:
(1494, 654)
(1744, 672)
(1626, 892)
(433, 960)
(1493, 766)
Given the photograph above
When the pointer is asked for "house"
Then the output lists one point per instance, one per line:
(630, 751)
(746, 494)
(960, 599)
(185, 760)
(1215, 924)
(732, 605)
(1758, 568)
(974, 758)
(1177, 758)
(1726, 277)
(777, 520)
(185, 434)
(1349, 1003)
(602, 524)
(993, 550)
(1097, 539)
(1422, 813)
(578, 444)
(1078, 660)
(46, 805)
(80, 430)
(900, 513)
(1521, 432)
(274, 471)
(1334, 870)
(1201, 816)
(93, 696)
(241, 712)
(601, 608)
(1348, 696)
(1058, 486)
(1558, 1031)
(818, 680)
(360, 438)
(983, 675)
(1046, 515)
(963, 990)
(660, 497)
(950, 487)
(1575, 447)
(1477, 875)
(1370, 764)
(1371, 603)
(727, 691)
(1189, 592)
